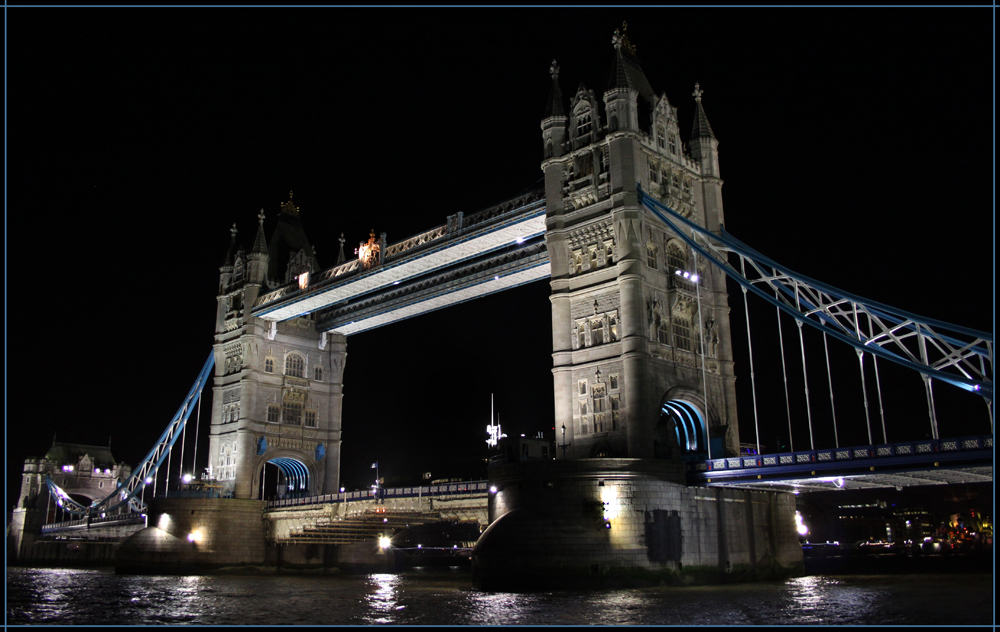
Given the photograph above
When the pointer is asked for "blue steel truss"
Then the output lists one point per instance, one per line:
(939, 350)
(127, 493)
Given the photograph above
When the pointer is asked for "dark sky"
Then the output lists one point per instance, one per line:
(855, 145)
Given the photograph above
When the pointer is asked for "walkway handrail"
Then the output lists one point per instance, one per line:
(467, 488)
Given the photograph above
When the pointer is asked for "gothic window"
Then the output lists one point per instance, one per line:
(268, 365)
(583, 407)
(615, 403)
(675, 258)
(577, 261)
(311, 418)
(609, 249)
(673, 144)
(294, 365)
(651, 256)
(662, 333)
(593, 257)
(682, 332)
(272, 413)
(652, 171)
(238, 272)
(583, 124)
(291, 413)
(597, 331)
(583, 387)
(318, 374)
(598, 394)
(598, 423)
(661, 137)
(613, 381)
(581, 335)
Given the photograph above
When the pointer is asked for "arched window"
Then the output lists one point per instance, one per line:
(662, 334)
(583, 124)
(318, 374)
(675, 257)
(673, 144)
(682, 332)
(268, 365)
(651, 256)
(661, 137)
(294, 365)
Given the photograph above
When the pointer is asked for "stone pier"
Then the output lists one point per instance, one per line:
(625, 522)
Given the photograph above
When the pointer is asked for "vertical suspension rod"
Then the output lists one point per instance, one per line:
(701, 334)
(805, 377)
(982, 371)
(833, 410)
(922, 342)
(197, 426)
(784, 376)
(861, 367)
(753, 387)
(878, 383)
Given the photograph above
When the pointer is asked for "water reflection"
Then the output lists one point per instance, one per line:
(88, 597)
(383, 601)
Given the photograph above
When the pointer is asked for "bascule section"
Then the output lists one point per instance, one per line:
(637, 319)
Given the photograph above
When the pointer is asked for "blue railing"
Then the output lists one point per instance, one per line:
(843, 456)
(469, 488)
(94, 523)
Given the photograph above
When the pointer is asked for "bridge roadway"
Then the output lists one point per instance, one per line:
(471, 256)
(907, 464)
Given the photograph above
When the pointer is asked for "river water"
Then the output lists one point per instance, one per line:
(95, 597)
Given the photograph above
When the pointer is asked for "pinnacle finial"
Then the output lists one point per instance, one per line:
(289, 207)
(232, 230)
(697, 92)
(260, 216)
(620, 39)
(554, 70)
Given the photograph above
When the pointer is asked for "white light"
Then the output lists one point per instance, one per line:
(694, 278)
(799, 526)
(520, 240)
(97, 470)
(687, 274)
(839, 482)
(60, 502)
(107, 471)
(384, 542)
(149, 479)
(395, 282)
(496, 278)
(186, 478)
(493, 489)
(677, 272)
(420, 546)
(341, 490)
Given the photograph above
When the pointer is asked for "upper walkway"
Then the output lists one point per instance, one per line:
(470, 256)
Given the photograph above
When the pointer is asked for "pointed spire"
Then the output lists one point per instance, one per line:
(259, 244)
(341, 258)
(554, 107)
(701, 126)
(626, 71)
(232, 247)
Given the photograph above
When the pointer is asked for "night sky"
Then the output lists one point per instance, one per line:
(855, 145)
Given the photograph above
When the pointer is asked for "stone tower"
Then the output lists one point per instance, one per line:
(278, 386)
(627, 339)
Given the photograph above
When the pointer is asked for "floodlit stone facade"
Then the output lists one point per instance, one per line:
(278, 386)
(630, 334)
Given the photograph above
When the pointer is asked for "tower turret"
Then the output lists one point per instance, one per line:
(705, 149)
(225, 280)
(627, 83)
(554, 122)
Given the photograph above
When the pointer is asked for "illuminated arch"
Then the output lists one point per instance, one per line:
(689, 426)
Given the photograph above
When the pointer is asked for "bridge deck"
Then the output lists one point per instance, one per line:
(927, 462)
(506, 226)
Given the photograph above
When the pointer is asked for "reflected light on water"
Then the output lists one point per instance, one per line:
(382, 602)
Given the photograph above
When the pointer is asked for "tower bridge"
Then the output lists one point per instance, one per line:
(629, 232)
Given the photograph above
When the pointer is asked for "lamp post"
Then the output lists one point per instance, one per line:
(564, 445)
